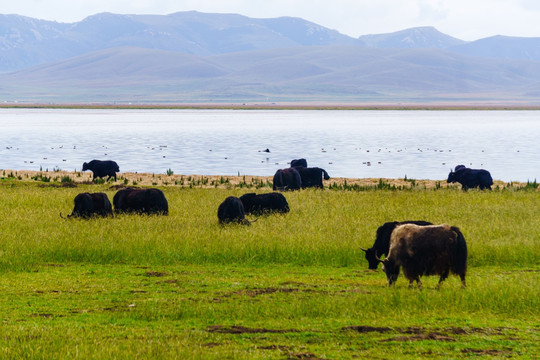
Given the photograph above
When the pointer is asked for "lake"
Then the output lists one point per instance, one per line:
(347, 143)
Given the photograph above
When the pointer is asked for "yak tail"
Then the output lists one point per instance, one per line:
(325, 174)
(460, 260)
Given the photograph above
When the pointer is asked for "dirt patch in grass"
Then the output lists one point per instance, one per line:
(236, 329)
(211, 344)
(275, 347)
(46, 316)
(303, 356)
(171, 281)
(488, 352)
(421, 337)
(420, 333)
(264, 291)
(254, 292)
(367, 329)
(156, 273)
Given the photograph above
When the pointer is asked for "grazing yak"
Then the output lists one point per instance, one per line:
(426, 250)
(299, 162)
(144, 201)
(470, 178)
(232, 210)
(287, 179)
(102, 168)
(89, 204)
(264, 203)
(382, 240)
(312, 176)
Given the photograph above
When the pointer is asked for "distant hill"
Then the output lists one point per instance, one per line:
(26, 42)
(198, 57)
(317, 73)
(415, 38)
(502, 47)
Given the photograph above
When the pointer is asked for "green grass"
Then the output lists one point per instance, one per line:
(286, 287)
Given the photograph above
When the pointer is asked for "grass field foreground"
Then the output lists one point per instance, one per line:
(292, 286)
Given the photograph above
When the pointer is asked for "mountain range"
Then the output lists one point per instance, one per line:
(199, 57)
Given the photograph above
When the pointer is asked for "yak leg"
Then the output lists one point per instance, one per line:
(418, 282)
(463, 284)
(443, 277)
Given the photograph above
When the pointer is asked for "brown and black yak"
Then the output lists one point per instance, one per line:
(382, 240)
(426, 250)
(90, 204)
(143, 201)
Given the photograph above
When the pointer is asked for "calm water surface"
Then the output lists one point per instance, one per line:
(390, 144)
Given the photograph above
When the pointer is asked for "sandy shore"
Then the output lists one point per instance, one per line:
(213, 181)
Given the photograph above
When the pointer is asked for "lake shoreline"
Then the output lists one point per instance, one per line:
(221, 181)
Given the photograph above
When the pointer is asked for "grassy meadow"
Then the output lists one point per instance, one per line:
(292, 286)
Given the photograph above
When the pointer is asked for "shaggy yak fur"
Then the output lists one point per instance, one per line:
(312, 176)
(426, 250)
(287, 179)
(231, 210)
(100, 168)
(299, 162)
(382, 240)
(470, 178)
(264, 203)
(90, 204)
(144, 201)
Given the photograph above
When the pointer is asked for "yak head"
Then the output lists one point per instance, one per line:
(456, 174)
(390, 269)
(84, 166)
(371, 257)
(451, 177)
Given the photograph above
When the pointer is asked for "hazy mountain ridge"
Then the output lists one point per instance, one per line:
(340, 72)
(24, 41)
(192, 56)
(420, 37)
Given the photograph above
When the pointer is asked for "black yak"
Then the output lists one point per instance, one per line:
(470, 178)
(90, 204)
(144, 201)
(382, 240)
(312, 176)
(426, 250)
(299, 162)
(287, 179)
(102, 168)
(264, 203)
(232, 210)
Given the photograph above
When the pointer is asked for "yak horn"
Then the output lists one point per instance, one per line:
(379, 260)
(364, 250)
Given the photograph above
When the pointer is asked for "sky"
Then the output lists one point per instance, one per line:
(465, 19)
